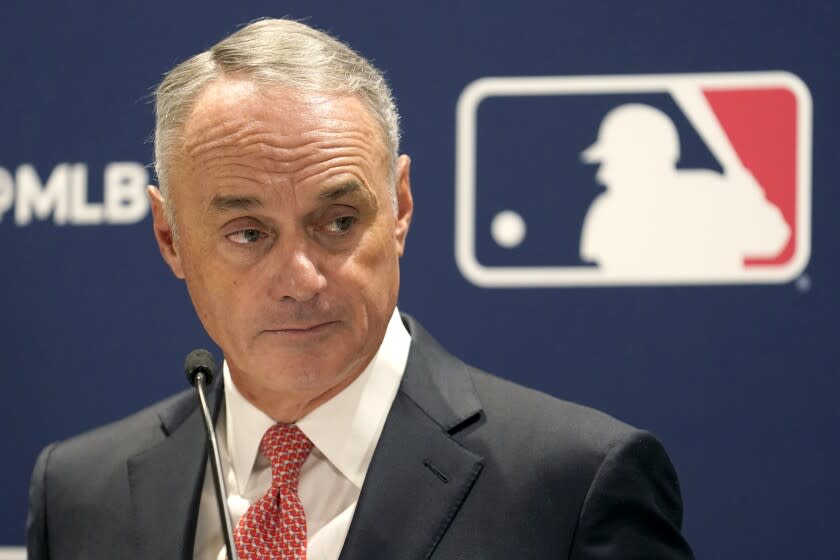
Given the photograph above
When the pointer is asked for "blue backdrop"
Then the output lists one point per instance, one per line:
(738, 379)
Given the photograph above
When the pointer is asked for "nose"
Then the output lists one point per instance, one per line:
(295, 275)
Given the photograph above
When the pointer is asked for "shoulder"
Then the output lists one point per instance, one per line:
(103, 447)
(533, 423)
(82, 481)
(561, 440)
(595, 480)
(502, 413)
(606, 476)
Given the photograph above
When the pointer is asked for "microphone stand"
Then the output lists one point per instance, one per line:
(216, 462)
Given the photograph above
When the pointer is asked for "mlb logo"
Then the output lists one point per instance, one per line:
(633, 180)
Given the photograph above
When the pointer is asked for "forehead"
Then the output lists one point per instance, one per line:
(234, 108)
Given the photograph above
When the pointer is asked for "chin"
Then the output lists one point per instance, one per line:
(305, 367)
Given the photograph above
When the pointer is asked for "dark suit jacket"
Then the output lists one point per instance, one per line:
(468, 467)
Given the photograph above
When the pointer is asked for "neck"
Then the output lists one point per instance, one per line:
(289, 406)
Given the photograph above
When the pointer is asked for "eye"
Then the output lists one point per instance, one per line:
(341, 225)
(246, 236)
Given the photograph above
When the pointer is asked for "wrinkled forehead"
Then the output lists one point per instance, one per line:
(233, 106)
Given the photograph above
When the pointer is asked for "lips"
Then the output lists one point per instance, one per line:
(302, 329)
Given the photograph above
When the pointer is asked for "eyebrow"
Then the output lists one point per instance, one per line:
(225, 203)
(346, 189)
(338, 192)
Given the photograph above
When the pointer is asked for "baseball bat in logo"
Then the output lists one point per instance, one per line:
(633, 180)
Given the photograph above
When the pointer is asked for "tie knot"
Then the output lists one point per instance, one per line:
(287, 447)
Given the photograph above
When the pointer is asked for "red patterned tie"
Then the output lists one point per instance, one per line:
(274, 527)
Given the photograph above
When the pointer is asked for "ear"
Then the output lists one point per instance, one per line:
(163, 232)
(405, 203)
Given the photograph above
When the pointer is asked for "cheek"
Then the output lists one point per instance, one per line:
(212, 288)
(376, 269)
(375, 250)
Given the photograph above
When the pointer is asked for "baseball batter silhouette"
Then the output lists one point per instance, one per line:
(655, 219)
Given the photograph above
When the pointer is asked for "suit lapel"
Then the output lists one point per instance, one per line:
(165, 481)
(419, 475)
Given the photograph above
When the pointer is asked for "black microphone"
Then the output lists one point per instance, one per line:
(200, 368)
(200, 361)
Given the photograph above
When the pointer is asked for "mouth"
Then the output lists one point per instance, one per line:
(302, 330)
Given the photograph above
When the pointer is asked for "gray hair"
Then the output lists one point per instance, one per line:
(272, 52)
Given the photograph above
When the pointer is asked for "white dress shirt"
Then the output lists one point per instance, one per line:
(344, 431)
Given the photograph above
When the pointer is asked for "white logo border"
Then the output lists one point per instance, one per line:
(568, 276)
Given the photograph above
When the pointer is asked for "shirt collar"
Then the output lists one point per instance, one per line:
(345, 429)
(245, 425)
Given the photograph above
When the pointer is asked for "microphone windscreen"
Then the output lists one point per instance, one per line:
(200, 361)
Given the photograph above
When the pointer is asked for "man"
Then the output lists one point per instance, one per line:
(346, 431)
